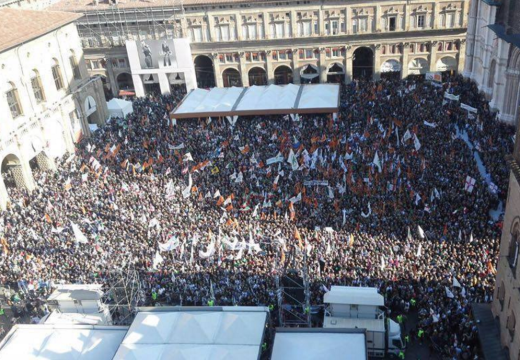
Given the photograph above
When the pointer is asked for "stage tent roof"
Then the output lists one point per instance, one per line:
(318, 343)
(62, 342)
(259, 100)
(195, 333)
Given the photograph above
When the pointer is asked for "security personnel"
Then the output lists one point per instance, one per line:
(407, 339)
(211, 302)
(401, 354)
(2, 311)
(154, 295)
(412, 302)
(400, 319)
(420, 334)
(271, 307)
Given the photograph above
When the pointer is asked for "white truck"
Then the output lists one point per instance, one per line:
(360, 308)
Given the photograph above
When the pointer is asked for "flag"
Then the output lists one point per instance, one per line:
(419, 251)
(406, 136)
(187, 157)
(157, 260)
(416, 143)
(377, 162)
(421, 232)
(187, 190)
(351, 240)
(68, 185)
(456, 283)
(170, 245)
(449, 293)
(48, 218)
(79, 236)
(298, 237)
(469, 184)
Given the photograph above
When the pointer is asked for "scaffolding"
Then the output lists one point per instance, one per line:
(112, 26)
(292, 311)
(122, 296)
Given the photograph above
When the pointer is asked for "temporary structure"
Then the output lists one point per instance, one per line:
(119, 108)
(195, 333)
(259, 100)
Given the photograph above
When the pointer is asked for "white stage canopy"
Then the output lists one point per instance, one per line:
(317, 343)
(31, 342)
(259, 100)
(195, 333)
(120, 108)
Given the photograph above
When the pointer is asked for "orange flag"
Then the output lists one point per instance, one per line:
(298, 237)
(48, 218)
(220, 200)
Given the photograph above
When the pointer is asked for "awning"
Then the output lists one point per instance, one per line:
(126, 93)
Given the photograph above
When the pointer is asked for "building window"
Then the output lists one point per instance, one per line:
(122, 63)
(383, 49)
(74, 65)
(37, 87)
(449, 46)
(282, 55)
(439, 47)
(56, 74)
(391, 23)
(229, 58)
(255, 57)
(334, 27)
(275, 55)
(420, 21)
(411, 48)
(13, 101)
(335, 52)
(308, 54)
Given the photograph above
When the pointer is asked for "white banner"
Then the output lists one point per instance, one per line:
(274, 160)
(469, 108)
(316, 183)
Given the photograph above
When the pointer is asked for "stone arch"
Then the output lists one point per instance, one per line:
(512, 99)
(125, 81)
(335, 73)
(257, 76)
(514, 243)
(13, 173)
(446, 63)
(283, 75)
(391, 68)
(418, 66)
(310, 74)
(53, 129)
(231, 77)
(204, 71)
(363, 63)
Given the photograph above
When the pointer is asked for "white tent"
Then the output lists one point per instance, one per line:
(259, 100)
(204, 333)
(119, 108)
(316, 343)
(31, 342)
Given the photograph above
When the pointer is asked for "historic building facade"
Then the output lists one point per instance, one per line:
(493, 54)
(254, 43)
(47, 99)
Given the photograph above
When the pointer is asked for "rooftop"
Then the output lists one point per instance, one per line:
(20, 26)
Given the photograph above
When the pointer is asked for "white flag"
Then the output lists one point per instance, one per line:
(187, 157)
(419, 251)
(406, 136)
(377, 162)
(170, 245)
(449, 293)
(421, 232)
(209, 251)
(187, 191)
(80, 237)
(469, 184)
(456, 283)
(157, 260)
(416, 143)
(217, 194)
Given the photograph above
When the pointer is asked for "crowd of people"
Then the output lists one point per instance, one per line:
(211, 211)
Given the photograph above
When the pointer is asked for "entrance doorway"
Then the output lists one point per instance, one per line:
(231, 77)
(283, 75)
(336, 74)
(310, 74)
(363, 63)
(204, 72)
(257, 76)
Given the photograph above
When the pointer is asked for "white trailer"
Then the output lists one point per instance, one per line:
(360, 308)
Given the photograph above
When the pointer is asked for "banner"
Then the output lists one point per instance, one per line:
(467, 107)
(274, 160)
(434, 76)
(451, 96)
(316, 183)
